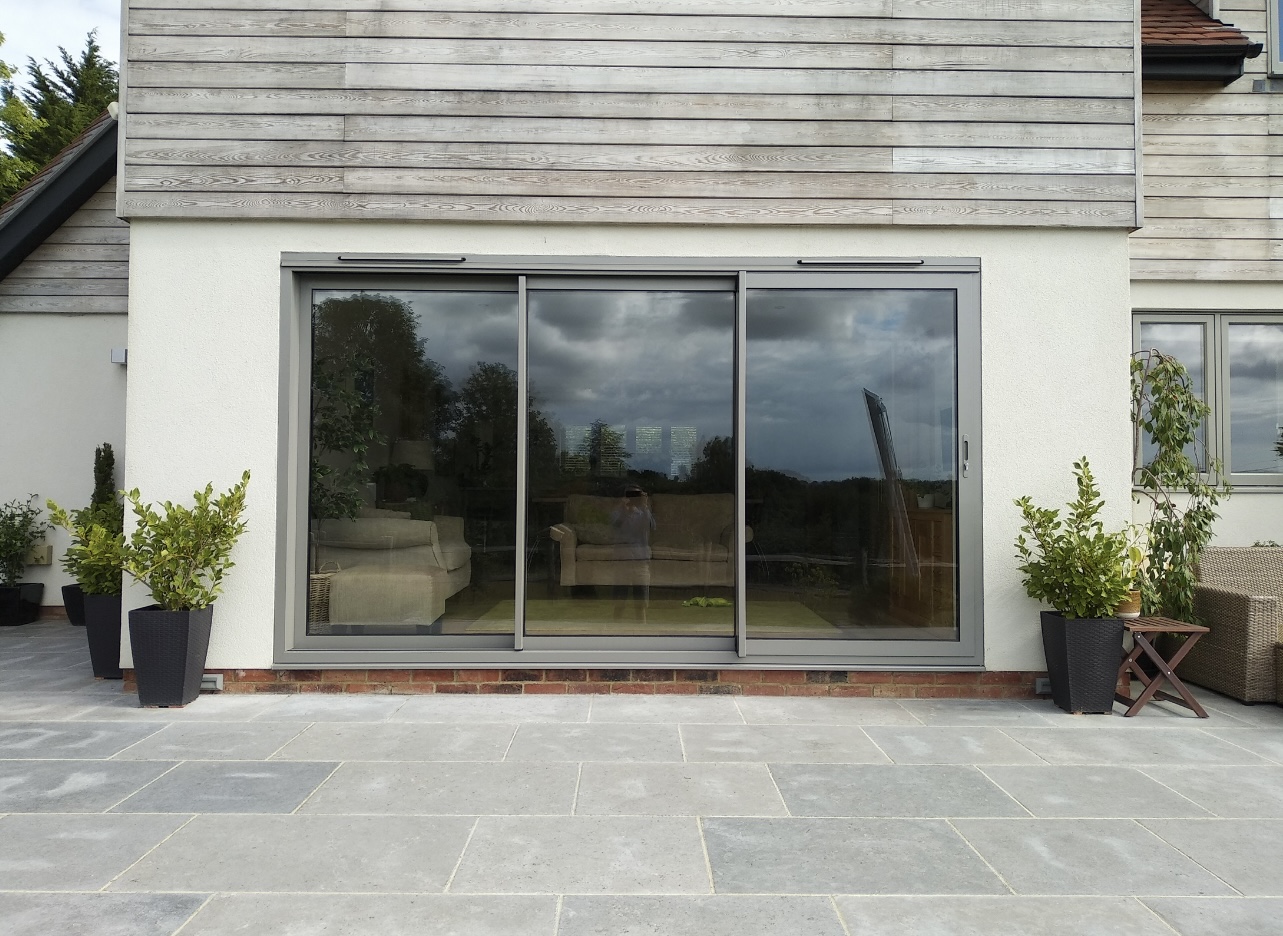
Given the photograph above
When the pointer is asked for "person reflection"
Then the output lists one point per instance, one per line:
(633, 522)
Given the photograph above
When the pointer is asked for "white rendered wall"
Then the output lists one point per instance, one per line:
(64, 398)
(204, 344)
(1251, 514)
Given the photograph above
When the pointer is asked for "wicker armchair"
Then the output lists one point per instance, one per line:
(1238, 597)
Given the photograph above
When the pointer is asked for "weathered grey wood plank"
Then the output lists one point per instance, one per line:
(236, 126)
(726, 132)
(1213, 103)
(67, 234)
(65, 305)
(75, 269)
(1249, 228)
(1115, 10)
(1212, 186)
(1206, 124)
(994, 159)
(234, 75)
(70, 252)
(99, 199)
(267, 22)
(961, 31)
(642, 105)
(756, 184)
(991, 212)
(1202, 248)
(482, 156)
(1221, 145)
(1269, 270)
(1011, 58)
(64, 287)
(1161, 207)
(236, 179)
(710, 80)
(1229, 165)
(95, 217)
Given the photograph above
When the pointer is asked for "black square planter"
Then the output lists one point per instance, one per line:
(20, 604)
(1083, 656)
(169, 653)
(102, 628)
(73, 602)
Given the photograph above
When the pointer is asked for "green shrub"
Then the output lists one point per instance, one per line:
(96, 556)
(183, 554)
(1073, 564)
(20, 529)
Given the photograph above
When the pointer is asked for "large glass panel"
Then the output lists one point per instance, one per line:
(1185, 341)
(631, 507)
(850, 486)
(414, 461)
(1255, 354)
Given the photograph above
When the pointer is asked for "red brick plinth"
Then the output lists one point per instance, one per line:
(914, 685)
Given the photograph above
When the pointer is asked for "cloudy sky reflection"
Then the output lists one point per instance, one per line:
(811, 353)
(1256, 396)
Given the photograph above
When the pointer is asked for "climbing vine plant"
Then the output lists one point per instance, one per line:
(1181, 482)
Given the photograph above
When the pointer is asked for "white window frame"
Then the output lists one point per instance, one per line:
(1274, 29)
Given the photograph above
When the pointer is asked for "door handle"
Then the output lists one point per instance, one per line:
(966, 455)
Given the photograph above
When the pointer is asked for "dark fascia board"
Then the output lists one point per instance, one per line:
(1196, 62)
(58, 199)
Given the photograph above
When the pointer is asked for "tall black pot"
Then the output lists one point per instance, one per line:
(73, 602)
(102, 627)
(1083, 656)
(169, 653)
(20, 604)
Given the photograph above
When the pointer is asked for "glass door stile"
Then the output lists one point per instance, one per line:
(641, 478)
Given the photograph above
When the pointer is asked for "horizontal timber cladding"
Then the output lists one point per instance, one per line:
(1213, 173)
(82, 268)
(1006, 112)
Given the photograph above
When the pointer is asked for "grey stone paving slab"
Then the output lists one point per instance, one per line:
(384, 915)
(1245, 853)
(43, 706)
(596, 743)
(1267, 742)
(212, 741)
(68, 740)
(95, 914)
(329, 707)
(1086, 857)
(302, 854)
(998, 916)
(1131, 745)
(851, 856)
(703, 710)
(1228, 792)
(1092, 792)
(400, 742)
(447, 788)
(1262, 715)
(719, 915)
(583, 855)
(974, 712)
(229, 787)
(773, 710)
(806, 744)
(906, 791)
(46, 680)
(81, 852)
(72, 786)
(678, 790)
(208, 706)
(497, 708)
(1218, 916)
(950, 745)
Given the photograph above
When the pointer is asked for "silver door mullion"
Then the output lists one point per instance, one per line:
(519, 558)
(741, 462)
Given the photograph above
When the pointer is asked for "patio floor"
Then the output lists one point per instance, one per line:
(665, 816)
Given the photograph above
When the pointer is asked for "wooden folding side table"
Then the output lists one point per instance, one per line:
(1142, 629)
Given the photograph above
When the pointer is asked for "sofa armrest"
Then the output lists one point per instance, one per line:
(727, 538)
(565, 537)
(449, 529)
(1245, 624)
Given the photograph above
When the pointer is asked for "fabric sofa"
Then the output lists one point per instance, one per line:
(692, 542)
(1238, 597)
(387, 568)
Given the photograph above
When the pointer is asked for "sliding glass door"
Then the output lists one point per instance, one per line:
(758, 464)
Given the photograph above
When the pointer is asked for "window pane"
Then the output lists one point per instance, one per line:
(1184, 341)
(414, 462)
(850, 485)
(632, 490)
(1255, 354)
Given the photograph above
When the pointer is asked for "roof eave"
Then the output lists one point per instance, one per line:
(1223, 63)
(80, 177)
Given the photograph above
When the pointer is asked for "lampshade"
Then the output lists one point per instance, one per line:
(414, 452)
